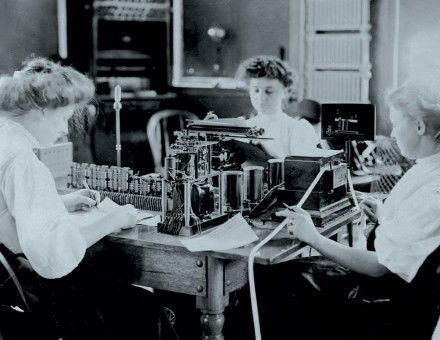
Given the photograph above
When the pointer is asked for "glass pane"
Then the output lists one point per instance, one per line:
(251, 27)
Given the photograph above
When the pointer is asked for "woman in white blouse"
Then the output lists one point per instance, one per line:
(269, 81)
(408, 232)
(36, 104)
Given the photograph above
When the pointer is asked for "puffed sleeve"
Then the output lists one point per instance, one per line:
(303, 137)
(408, 236)
(48, 235)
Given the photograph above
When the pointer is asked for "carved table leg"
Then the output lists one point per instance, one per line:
(214, 303)
(212, 325)
(350, 233)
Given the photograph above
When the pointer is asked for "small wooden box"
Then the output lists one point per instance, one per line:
(58, 158)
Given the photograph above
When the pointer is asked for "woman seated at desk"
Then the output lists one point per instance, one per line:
(44, 244)
(406, 243)
(269, 81)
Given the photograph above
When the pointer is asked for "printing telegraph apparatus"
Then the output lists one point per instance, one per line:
(199, 189)
(202, 187)
(189, 194)
(329, 197)
(195, 189)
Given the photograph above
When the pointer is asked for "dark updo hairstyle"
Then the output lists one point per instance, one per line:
(42, 84)
(266, 67)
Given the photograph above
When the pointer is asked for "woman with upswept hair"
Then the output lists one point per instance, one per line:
(69, 297)
(403, 264)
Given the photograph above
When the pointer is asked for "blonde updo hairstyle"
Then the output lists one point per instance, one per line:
(419, 97)
(42, 84)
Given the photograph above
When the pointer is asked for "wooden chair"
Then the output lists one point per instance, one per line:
(390, 165)
(160, 132)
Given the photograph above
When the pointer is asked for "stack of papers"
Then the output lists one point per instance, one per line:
(107, 206)
(234, 233)
(222, 122)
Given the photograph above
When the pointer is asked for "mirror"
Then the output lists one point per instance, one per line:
(212, 37)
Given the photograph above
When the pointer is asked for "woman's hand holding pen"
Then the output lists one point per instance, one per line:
(300, 225)
(83, 199)
(369, 205)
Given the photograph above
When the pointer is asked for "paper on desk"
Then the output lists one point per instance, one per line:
(151, 221)
(94, 214)
(234, 233)
(106, 207)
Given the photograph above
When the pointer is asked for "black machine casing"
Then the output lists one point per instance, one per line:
(300, 171)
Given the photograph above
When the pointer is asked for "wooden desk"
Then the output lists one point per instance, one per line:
(162, 262)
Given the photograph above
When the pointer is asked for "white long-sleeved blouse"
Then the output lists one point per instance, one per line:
(290, 135)
(436, 334)
(409, 220)
(33, 218)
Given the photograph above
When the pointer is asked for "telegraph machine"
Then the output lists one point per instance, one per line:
(196, 191)
(201, 187)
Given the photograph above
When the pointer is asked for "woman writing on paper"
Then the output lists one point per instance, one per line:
(45, 244)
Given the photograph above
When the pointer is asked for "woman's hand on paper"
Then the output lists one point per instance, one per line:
(300, 225)
(83, 199)
(129, 215)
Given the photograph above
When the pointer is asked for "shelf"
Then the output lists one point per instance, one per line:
(132, 11)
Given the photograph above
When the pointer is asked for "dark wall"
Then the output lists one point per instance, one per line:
(252, 27)
(26, 27)
(225, 103)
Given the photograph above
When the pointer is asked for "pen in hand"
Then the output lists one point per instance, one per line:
(88, 188)
(288, 208)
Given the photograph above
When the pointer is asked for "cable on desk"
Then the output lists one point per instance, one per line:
(254, 251)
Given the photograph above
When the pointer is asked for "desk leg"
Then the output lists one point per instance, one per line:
(212, 325)
(213, 305)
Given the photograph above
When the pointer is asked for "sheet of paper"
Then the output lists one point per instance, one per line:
(143, 215)
(95, 215)
(151, 222)
(221, 122)
(106, 207)
(234, 233)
